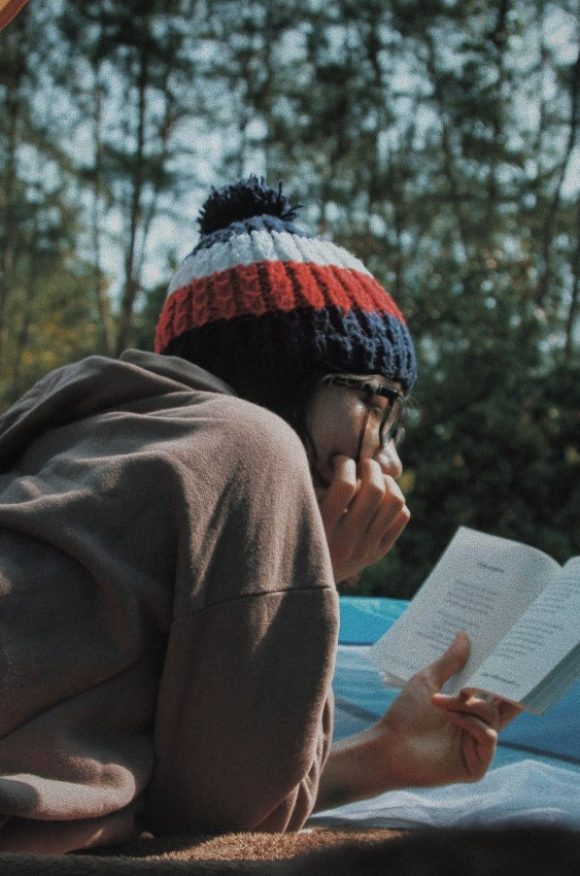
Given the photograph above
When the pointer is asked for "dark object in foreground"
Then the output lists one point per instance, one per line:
(533, 850)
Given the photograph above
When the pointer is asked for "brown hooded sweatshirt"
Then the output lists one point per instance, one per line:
(167, 610)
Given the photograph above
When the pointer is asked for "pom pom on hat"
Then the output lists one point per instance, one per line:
(241, 200)
(261, 302)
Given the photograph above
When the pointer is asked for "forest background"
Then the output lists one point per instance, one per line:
(438, 139)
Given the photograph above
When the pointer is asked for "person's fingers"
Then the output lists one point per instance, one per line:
(340, 491)
(391, 515)
(478, 745)
(469, 705)
(368, 499)
(450, 662)
(477, 729)
(363, 512)
(507, 712)
(377, 515)
(393, 532)
(500, 711)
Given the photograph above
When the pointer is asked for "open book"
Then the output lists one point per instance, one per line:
(520, 608)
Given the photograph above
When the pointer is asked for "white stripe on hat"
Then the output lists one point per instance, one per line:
(259, 246)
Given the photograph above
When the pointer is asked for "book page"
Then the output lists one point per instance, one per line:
(555, 685)
(481, 584)
(542, 638)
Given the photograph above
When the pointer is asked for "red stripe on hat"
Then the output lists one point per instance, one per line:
(269, 287)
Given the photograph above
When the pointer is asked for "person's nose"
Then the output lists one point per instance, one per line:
(389, 460)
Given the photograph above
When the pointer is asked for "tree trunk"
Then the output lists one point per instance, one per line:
(131, 284)
(549, 227)
(16, 64)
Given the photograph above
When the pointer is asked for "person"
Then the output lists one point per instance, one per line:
(172, 527)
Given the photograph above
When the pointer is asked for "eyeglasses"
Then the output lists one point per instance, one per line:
(390, 422)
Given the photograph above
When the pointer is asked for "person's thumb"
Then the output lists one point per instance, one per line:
(451, 661)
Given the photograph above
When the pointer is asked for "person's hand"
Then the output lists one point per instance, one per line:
(432, 738)
(425, 738)
(364, 513)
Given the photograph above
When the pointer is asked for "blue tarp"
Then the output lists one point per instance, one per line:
(362, 697)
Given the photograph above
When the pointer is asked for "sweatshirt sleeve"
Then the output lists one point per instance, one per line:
(244, 712)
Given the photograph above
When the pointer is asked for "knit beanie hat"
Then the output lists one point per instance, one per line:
(265, 305)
